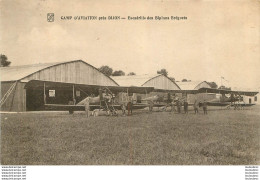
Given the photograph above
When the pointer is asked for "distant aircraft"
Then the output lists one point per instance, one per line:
(227, 97)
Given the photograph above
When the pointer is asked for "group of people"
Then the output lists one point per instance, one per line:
(174, 103)
(179, 103)
(204, 105)
(127, 107)
(106, 101)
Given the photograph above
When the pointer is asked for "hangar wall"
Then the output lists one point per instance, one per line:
(250, 99)
(17, 99)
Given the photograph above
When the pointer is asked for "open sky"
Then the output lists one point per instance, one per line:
(219, 38)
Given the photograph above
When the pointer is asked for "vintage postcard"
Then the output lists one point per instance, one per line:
(130, 82)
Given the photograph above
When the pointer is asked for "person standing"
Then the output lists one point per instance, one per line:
(179, 106)
(236, 105)
(86, 104)
(173, 106)
(150, 106)
(168, 102)
(195, 106)
(130, 107)
(123, 107)
(205, 108)
(185, 104)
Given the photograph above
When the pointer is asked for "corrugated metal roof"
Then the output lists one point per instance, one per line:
(136, 80)
(14, 73)
(189, 85)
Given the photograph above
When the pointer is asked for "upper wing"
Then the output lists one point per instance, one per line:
(220, 91)
(176, 91)
(38, 84)
(209, 90)
(129, 89)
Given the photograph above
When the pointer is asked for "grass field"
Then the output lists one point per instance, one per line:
(162, 138)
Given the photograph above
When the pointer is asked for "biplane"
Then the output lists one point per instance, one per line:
(107, 98)
(229, 97)
(225, 97)
(111, 98)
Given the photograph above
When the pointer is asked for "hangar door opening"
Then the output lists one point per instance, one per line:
(34, 100)
(40, 93)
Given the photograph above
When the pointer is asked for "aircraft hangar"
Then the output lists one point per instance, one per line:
(157, 81)
(195, 85)
(28, 87)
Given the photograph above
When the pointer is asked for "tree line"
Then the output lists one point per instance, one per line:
(109, 72)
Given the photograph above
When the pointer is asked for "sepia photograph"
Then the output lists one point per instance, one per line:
(149, 82)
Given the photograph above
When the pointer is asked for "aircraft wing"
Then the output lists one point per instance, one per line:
(226, 104)
(221, 91)
(130, 89)
(218, 103)
(144, 105)
(92, 88)
(209, 90)
(62, 107)
(176, 91)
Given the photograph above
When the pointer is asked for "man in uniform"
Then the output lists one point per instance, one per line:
(86, 104)
(169, 101)
(179, 104)
(123, 108)
(150, 106)
(195, 106)
(205, 108)
(185, 104)
(130, 106)
(173, 106)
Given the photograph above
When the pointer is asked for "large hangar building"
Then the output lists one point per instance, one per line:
(28, 87)
(157, 81)
(195, 85)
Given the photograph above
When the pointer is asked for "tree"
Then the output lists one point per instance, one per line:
(184, 80)
(163, 71)
(213, 85)
(106, 70)
(4, 61)
(118, 73)
(131, 74)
